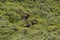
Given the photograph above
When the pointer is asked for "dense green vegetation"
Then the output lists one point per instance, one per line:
(29, 19)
